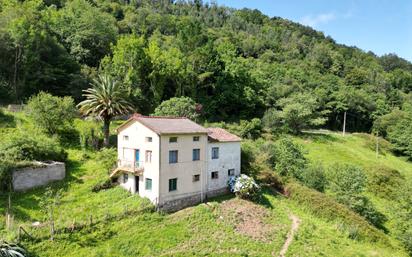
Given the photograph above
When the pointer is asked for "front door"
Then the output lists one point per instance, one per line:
(136, 179)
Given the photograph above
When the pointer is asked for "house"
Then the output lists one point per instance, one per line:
(174, 161)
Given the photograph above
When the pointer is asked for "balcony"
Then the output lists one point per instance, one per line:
(135, 167)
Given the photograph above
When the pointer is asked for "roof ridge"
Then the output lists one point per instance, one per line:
(138, 115)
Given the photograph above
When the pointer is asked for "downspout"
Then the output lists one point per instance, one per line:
(159, 181)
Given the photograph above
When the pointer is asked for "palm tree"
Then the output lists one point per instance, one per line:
(105, 99)
(11, 250)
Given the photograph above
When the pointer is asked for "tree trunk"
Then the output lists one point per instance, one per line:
(106, 131)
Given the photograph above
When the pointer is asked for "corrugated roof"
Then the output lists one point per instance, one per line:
(168, 125)
(221, 135)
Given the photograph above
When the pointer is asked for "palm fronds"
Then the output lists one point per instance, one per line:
(11, 250)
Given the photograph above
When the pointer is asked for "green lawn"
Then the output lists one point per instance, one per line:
(226, 226)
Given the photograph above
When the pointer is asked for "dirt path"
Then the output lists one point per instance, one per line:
(289, 238)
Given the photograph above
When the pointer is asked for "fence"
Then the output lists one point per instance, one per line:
(50, 229)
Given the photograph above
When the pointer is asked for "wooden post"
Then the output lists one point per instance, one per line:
(344, 124)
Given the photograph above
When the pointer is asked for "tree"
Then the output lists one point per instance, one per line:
(178, 107)
(105, 100)
(85, 31)
(50, 113)
(289, 158)
(297, 112)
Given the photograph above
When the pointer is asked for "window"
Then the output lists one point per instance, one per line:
(196, 177)
(215, 175)
(215, 152)
(125, 138)
(148, 157)
(125, 178)
(148, 184)
(172, 139)
(173, 184)
(195, 138)
(196, 154)
(231, 172)
(173, 156)
(149, 139)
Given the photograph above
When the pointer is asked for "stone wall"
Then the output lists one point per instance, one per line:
(40, 175)
(178, 204)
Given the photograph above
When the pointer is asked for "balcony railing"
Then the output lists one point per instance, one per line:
(132, 166)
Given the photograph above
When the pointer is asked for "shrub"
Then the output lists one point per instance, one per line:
(247, 129)
(90, 134)
(347, 179)
(403, 215)
(290, 160)
(383, 181)
(314, 177)
(326, 207)
(178, 107)
(347, 182)
(107, 158)
(50, 113)
(244, 187)
(26, 146)
(106, 184)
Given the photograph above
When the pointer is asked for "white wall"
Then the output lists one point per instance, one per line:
(137, 140)
(229, 158)
(185, 168)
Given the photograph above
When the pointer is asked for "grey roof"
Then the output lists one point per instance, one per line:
(169, 125)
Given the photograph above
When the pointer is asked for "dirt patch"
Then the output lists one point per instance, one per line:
(247, 218)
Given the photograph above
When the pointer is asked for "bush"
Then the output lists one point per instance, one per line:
(383, 181)
(26, 146)
(50, 113)
(347, 182)
(244, 187)
(290, 160)
(326, 207)
(346, 179)
(314, 177)
(403, 215)
(90, 134)
(106, 184)
(107, 158)
(178, 107)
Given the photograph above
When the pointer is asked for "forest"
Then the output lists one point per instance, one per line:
(236, 64)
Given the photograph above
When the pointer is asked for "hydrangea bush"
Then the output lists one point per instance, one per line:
(244, 186)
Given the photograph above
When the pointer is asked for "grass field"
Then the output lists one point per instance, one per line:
(123, 225)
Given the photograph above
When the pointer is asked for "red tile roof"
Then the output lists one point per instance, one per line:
(221, 135)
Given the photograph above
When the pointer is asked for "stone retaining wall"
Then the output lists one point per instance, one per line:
(41, 175)
(178, 204)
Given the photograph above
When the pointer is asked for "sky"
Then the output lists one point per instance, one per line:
(380, 26)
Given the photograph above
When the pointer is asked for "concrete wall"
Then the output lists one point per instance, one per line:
(185, 169)
(137, 134)
(27, 178)
(229, 158)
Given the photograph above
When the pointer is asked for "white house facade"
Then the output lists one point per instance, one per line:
(175, 162)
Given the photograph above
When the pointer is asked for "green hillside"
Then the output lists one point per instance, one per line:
(126, 225)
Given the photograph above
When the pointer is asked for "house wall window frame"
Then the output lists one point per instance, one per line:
(172, 184)
(148, 184)
(125, 177)
(196, 139)
(172, 139)
(173, 156)
(215, 153)
(149, 139)
(215, 175)
(125, 138)
(196, 154)
(148, 156)
(196, 178)
(231, 172)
